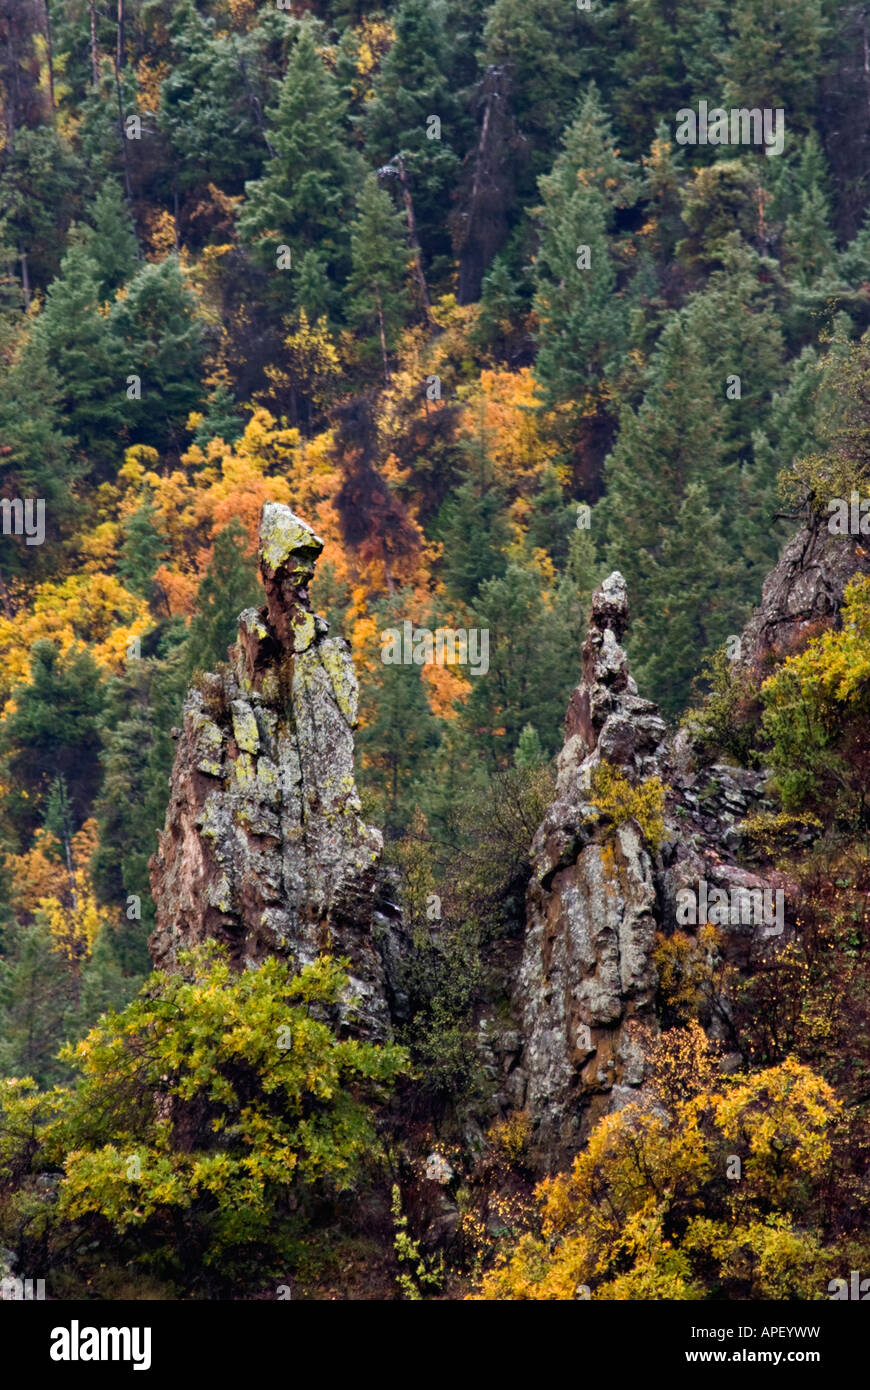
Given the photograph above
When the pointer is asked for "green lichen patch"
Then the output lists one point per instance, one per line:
(303, 631)
(339, 667)
(208, 744)
(245, 730)
(283, 534)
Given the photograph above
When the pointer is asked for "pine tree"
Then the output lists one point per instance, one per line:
(379, 304)
(675, 441)
(304, 196)
(669, 55)
(582, 316)
(157, 327)
(220, 419)
(412, 88)
(500, 327)
(40, 181)
(53, 731)
(112, 244)
(735, 324)
(770, 53)
(474, 532)
(547, 48)
(230, 585)
(399, 736)
(688, 603)
(76, 340)
(314, 293)
(36, 456)
(36, 997)
(533, 658)
(809, 242)
(529, 753)
(215, 82)
(142, 707)
(582, 322)
(143, 548)
(553, 520)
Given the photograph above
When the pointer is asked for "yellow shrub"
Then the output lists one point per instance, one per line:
(615, 797)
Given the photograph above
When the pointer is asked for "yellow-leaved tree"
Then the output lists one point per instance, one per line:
(710, 1186)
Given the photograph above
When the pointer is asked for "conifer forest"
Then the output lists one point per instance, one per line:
(434, 657)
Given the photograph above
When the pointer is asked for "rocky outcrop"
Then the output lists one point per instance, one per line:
(803, 589)
(263, 847)
(599, 893)
(587, 983)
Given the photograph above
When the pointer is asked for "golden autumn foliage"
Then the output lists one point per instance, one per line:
(43, 882)
(616, 798)
(89, 609)
(503, 410)
(76, 925)
(703, 1187)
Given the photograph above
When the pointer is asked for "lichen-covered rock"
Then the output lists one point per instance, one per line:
(804, 588)
(587, 969)
(587, 983)
(598, 894)
(264, 848)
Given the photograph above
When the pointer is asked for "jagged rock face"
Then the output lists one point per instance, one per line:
(598, 897)
(805, 587)
(587, 981)
(263, 846)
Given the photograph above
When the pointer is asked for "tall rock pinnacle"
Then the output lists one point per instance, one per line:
(587, 982)
(263, 847)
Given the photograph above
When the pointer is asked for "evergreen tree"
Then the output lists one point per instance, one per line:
(157, 326)
(663, 175)
(582, 317)
(548, 49)
(36, 457)
(112, 244)
(736, 330)
(583, 325)
(40, 179)
(379, 304)
(229, 586)
(553, 521)
(472, 527)
(142, 707)
(670, 55)
(412, 88)
(36, 997)
(76, 340)
(144, 547)
(303, 198)
(770, 52)
(533, 665)
(529, 753)
(53, 731)
(799, 183)
(220, 419)
(400, 735)
(720, 200)
(505, 302)
(688, 604)
(672, 441)
(315, 295)
(216, 82)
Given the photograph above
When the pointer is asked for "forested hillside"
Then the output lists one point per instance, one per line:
(449, 279)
